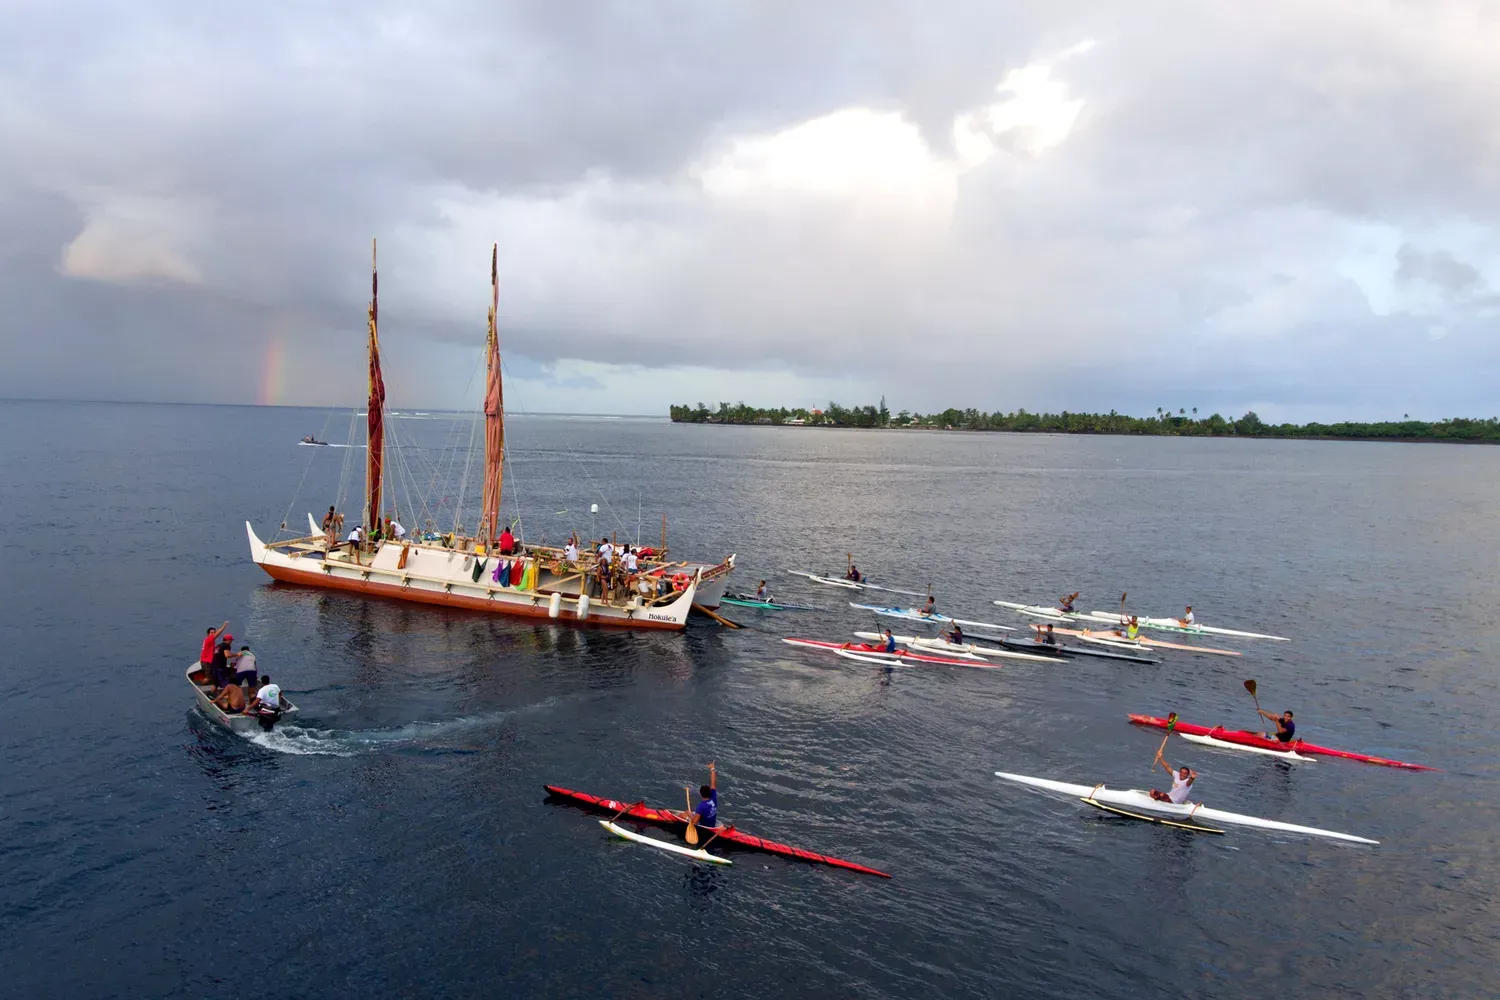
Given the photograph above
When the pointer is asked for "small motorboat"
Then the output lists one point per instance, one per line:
(245, 725)
(312, 440)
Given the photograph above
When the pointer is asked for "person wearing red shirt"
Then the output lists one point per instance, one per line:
(507, 543)
(206, 656)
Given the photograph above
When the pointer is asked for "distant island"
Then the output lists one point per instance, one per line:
(1179, 424)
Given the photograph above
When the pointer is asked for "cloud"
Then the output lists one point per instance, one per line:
(1029, 204)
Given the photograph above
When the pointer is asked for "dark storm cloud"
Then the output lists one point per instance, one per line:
(1239, 202)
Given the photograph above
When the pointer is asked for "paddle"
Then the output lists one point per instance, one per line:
(1250, 686)
(1171, 725)
(1122, 607)
(691, 836)
(615, 818)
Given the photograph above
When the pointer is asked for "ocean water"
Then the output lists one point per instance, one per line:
(395, 840)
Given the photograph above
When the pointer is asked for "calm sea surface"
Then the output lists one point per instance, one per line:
(396, 841)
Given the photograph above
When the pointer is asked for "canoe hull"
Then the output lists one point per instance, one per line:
(728, 834)
(1248, 738)
(1141, 801)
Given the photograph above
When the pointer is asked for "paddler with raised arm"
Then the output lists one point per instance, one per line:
(706, 814)
(1133, 628)
(1065, 604)
(1286, 729)
(1182, 781)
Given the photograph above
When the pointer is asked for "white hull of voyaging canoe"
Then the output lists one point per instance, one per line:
(242, 724)
(1209, 741)
(1140, 801)
(436, 575)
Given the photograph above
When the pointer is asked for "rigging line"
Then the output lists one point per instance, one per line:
(306, 468)
(342, 497)
(463, 484)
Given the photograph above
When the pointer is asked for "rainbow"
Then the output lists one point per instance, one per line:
(273, 373)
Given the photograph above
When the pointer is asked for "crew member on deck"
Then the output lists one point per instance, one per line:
(1286, 729)
(507, 542)
(707, 812)
(1182, 781)
(628, 561)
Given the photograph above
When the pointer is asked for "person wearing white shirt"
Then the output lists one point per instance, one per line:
(606, 552)
(570, 553)
(355, 535)
(629, 560)
(266, 706)
(397, 531)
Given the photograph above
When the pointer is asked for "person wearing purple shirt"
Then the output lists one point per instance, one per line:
(707, 812)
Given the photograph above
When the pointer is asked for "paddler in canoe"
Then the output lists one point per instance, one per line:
(1286, 729)
(890, 642)
(706, 814)
(762, 594)
(1065, 604)
(1187, 619)
(1182, 781)
(929, 609)
(955, 635)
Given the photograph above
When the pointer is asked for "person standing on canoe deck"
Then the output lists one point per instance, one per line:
(1065, 604)
(930, 608)
(1286, 729)
(1182, 780)
(707, 812)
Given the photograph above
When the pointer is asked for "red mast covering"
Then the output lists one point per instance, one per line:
(375, 428)
(494, 417)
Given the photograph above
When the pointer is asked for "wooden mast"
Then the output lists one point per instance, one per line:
(494, 416)
(374, 410)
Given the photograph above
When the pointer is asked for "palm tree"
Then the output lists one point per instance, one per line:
(1158, 413)
(1181, 412)
(1195, 413)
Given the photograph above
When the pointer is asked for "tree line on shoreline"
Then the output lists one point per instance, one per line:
(1165, 422)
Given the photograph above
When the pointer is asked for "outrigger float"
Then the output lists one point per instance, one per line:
(676, 822)
(468, 571)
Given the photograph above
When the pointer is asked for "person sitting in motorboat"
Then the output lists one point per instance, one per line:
(1182, 781)
(267, 705)
(1286, 729)
(244, 668)
(231, 700)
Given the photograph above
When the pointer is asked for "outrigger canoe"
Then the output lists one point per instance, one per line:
(1175, 625)
(922, 644)
(1247, 738)
(833, 581)
(1137, 800)
(674, 821)
(1043, 611)
(869, 653)
(1283, 754)
(912, 614)
(1110, 637)
(751, 601)
(1060, 651)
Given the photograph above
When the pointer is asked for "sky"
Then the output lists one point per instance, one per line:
(1288, 206)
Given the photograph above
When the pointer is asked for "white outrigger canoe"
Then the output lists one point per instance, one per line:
(1187, 812)
(1209, 741)
(833, 581)
(698, 854)
(926, 645)
(913, 615)
(1043, 611)
(1175, 625)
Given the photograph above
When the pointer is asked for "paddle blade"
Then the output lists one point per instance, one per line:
(692, 835)
(1171, 721)
(1250, 686)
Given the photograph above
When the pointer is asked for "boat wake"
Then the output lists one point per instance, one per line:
(423, 737)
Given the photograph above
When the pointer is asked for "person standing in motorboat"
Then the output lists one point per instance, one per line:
(245, 668)
(267, 705)
(206, 654)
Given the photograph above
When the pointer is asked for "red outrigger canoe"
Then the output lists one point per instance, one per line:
(666, 817)
(1246, 738)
